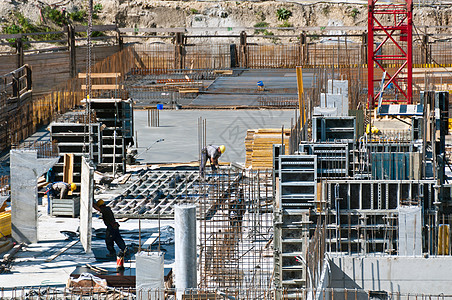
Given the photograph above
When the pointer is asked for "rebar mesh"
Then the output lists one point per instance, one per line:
(236, 230)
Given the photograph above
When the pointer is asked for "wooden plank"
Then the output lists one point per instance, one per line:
(188, 90)
(44, 56)
(62, 250)
(223, 72)
(100, 75)
(421, 70)
(151, 30)
(68, 169)
(96, 28)
(104, 87)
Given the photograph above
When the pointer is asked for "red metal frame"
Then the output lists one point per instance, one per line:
(402, 23)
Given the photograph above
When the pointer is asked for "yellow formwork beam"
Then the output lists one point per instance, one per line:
(443, 239)
(5, 223)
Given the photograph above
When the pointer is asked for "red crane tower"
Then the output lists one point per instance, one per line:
(395, 23)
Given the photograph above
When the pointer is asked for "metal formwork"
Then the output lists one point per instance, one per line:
(72, 138)
(155, 193)
(332, 159)
(297, 195)
(330, 129)
(362, 215)
(297, 181)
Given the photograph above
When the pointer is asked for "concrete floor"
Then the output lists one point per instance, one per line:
(30, 269)
(179, 128)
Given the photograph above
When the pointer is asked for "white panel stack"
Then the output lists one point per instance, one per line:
(410, 231)
(335, 101)
(150, 279)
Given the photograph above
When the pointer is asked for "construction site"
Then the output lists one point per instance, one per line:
(331, 178)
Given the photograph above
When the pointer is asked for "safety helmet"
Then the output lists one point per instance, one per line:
(222, 149)
(73, 186)
(100, 202)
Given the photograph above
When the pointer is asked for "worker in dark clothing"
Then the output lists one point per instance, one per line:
(60, 188)
(212, 153)
(112, 235)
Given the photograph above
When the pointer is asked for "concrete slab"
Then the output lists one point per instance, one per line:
(179, 128)
(396, 274)
(243, 90)
(26, 167)
(30, 269)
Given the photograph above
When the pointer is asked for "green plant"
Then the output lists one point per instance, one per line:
(78, 15)
(314, 37)
(283, 14)
(266, 32)
(193, 11)
(285, 24)
(55, 16)
(25, 24)
(354, 13)
(260, 24)
(14, 29)
(260, 15)
(97, 33)
(97, 7)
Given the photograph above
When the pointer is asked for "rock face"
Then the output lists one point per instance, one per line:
(144, 13)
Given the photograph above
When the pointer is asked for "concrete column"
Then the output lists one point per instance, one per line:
(185, 248)
(26, 167)
(86, 203)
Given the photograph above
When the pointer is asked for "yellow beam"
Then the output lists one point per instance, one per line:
(300, 95)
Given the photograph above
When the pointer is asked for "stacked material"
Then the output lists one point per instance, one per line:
(5, 223)
(259, 146)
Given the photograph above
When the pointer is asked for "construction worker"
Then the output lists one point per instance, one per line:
(60, 188)
(112, 235)
(212, 153)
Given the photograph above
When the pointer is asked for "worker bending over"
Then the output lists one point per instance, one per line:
(60, 188)
(212, 153)
(112, 235)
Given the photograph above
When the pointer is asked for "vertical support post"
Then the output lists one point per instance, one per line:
(71, 47)
(185, 248)
(29, 80)
(179, 51)
(233, 54)
(409, 4)
(364, 58)
(426, 49)
(19, 52)
(301, 104)
(303, 49)
(119, 39)
(243, 50)
(370, 55)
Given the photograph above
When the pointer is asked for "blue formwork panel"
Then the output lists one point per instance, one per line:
(390, 165)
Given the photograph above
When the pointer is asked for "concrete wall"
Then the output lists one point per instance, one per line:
(25, 169)
(401, 274)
